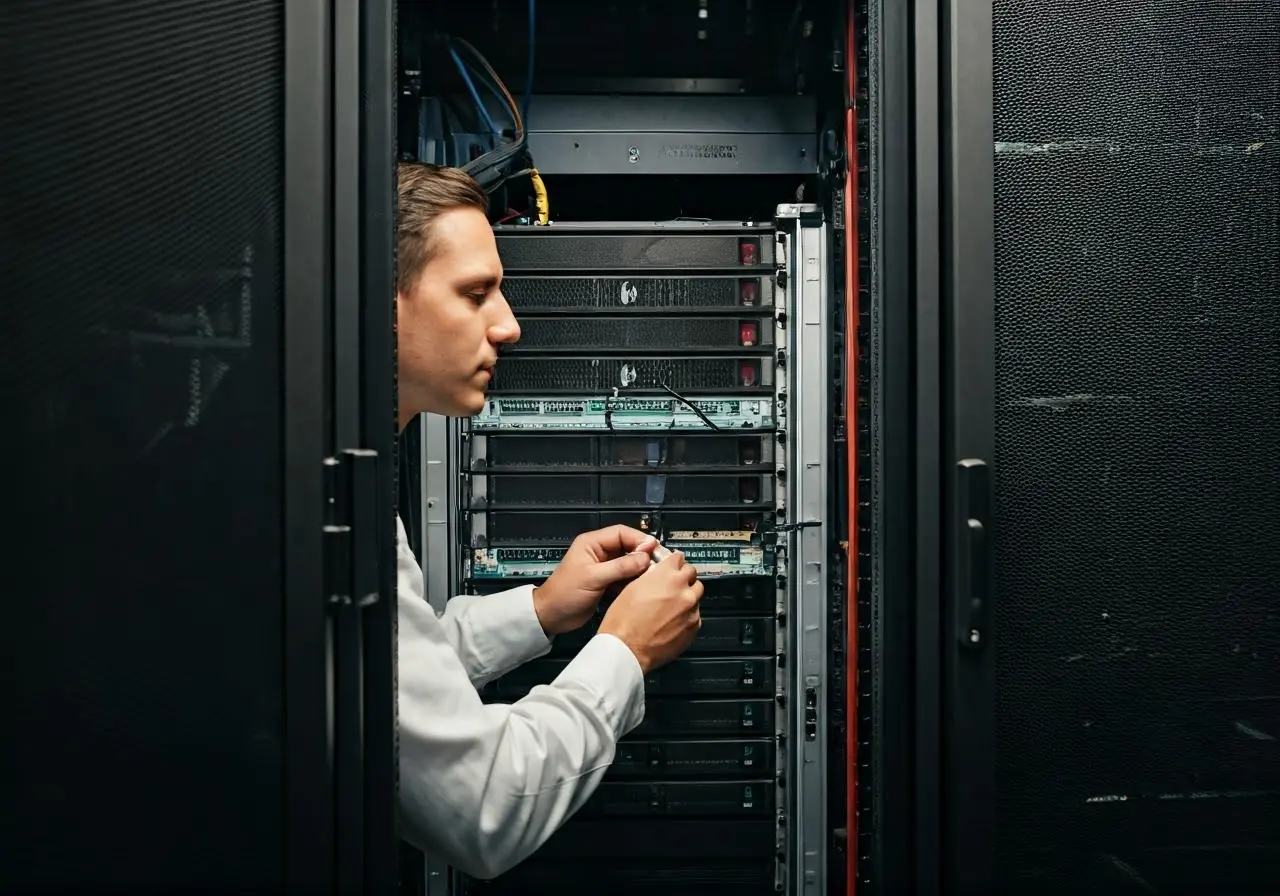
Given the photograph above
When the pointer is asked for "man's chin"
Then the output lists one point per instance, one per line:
(468, 405)
(462, 403)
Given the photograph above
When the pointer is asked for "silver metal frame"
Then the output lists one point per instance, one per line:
(804, 425)
(439, 523)
(440, 551)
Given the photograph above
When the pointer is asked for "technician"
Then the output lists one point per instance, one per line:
(483, 786)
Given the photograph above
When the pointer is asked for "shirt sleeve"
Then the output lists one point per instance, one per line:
(483, 786)
(490, 633)
(494, 633)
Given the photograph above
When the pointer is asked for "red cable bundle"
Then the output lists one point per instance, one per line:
(851, 444)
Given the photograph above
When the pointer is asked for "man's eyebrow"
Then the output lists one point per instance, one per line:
(479, 281)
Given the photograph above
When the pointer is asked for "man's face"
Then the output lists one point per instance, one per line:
(452, 322)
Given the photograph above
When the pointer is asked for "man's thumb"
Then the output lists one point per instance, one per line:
(628, 566)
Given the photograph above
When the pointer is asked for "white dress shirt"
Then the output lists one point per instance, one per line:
(483, 786)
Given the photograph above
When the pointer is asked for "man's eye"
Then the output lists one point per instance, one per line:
(476, 297)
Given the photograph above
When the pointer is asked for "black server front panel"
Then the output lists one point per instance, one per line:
(642, 392)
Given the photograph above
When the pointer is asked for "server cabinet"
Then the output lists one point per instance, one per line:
(197, 355)
(1098, 360)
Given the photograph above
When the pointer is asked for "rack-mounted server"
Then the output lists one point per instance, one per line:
(672, 377)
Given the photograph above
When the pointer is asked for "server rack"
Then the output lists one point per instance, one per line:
(671, 377)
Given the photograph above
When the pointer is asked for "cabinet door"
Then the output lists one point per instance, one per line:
(361, 460)
(1117, 373)
(162, 346)
(364, 442)
(1137, 345)
(961, 529)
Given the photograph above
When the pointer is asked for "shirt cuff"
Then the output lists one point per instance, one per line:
(607, 668)
(506, 630)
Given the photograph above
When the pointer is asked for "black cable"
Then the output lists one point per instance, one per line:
(795, 527)
(608, 409)
(690, 405)
(610, 399)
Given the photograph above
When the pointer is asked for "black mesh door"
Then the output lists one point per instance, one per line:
(1137, 215)
(140, 357)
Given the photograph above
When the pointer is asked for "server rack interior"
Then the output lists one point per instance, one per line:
(678, 271)
(584, 429)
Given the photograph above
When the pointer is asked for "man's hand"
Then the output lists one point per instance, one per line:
(657, 614)
(593, 562)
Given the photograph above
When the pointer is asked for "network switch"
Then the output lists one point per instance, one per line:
(674, 798)
(724, 635)
(686, 677)
(697, 718)
(620, 838)
(611, 413)
(722, 596)
(693, 758)
(711, 559)
(696, 451)
(553, 525)
(638, 373)
(617, 490)
(640, 295)
(640, 875)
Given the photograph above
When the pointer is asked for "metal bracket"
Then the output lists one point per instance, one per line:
(804, 293)
(350, 530)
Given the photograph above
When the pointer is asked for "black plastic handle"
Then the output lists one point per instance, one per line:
(972, 587)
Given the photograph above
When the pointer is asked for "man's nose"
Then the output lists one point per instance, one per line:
(505, 328)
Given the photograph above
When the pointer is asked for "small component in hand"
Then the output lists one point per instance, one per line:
(659, 554)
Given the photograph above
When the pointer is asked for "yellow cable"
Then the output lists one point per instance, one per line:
(540, 197)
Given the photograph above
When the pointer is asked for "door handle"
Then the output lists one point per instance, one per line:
(974, 555)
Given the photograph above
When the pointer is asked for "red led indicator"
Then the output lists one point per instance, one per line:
(747, 292)
(748, 375)
(749, 252)
(748, 332)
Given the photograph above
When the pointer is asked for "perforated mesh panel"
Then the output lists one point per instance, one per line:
(619, 292)
(632, 877)
(669, 490)
(543, 489)
(600, 376)
(627, 451)
(541, 451)
(139, 347)
(677, 451)
(1138, 431)
(641, 334)
(645, 490)
(568, 251)
(541, 527)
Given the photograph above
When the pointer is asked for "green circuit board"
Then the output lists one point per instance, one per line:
(622, 413)
(739, 558)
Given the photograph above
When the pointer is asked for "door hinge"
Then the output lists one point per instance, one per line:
(351, 555)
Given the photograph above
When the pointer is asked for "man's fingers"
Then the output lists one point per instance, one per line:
(674, 560)
(628, 566)
(617, 540)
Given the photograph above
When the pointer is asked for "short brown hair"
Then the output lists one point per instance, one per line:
(424, 193)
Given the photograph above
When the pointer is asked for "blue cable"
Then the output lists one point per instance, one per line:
(475, 96)
(497, 94)
(528, 80)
